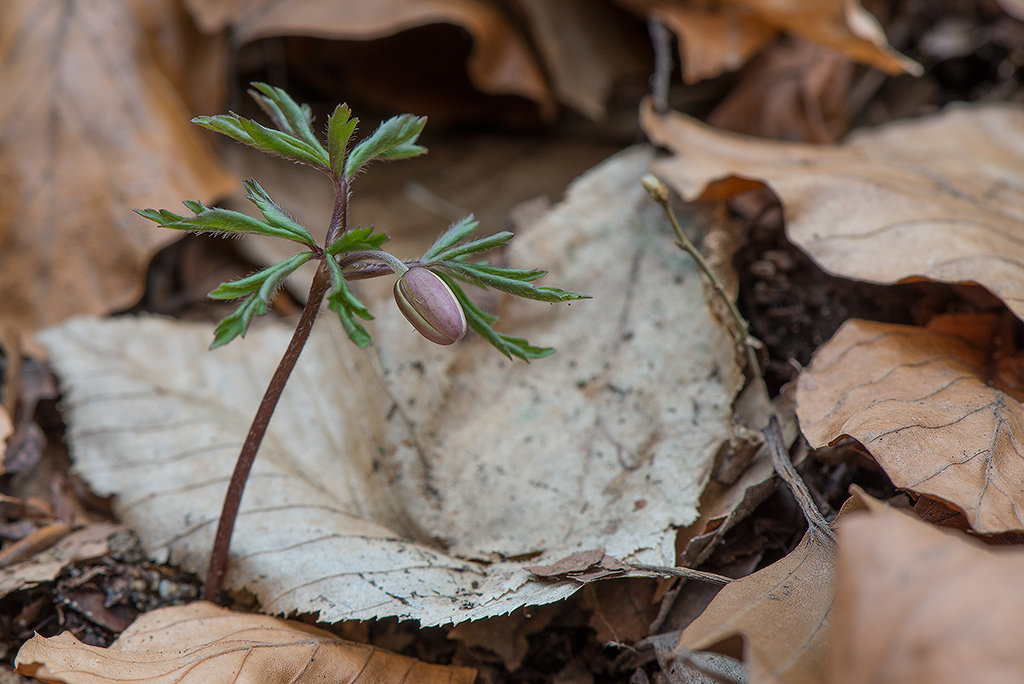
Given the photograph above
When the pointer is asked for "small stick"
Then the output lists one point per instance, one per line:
(38, 541)
(784, 467)
(659, 193)
(662, 76)
(686, 573)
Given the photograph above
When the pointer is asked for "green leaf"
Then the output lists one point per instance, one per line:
(160, 216)
(274, 214)
(456, 232)
(357, 239)
(490, 276)
(287, 114)
(481, 322)
(216, 220)
(393, 139)
(524, 274)
(225, 124)
(481, 245)
(340, 128)
(258, 289)
(237, 323)
(265, 139)
(284, 144)
(236, 289)
(523, 349)
(344, 303)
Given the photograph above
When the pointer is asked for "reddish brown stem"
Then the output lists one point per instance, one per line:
(253, 440)
(233, 497)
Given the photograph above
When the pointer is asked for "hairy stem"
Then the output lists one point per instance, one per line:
(253, 440)
(339, 220)
(233, 498)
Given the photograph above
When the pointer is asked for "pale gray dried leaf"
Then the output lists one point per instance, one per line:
(394, 481)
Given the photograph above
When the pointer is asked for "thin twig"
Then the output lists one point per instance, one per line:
(661, 38)
(784, 467)
(659, 193)
(686, 573)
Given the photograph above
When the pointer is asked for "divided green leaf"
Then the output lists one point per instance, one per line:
(481, 245)
(526, 274)
(342, 302)
(257, 289)
(513, 281)
(265, 139)
(340, 128)
(273, 212)
(216, 220)
(393, 139)
(357, 239)
(286, 113)
(481, 321)
(456, 233)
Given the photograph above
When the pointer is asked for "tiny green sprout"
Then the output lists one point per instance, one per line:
(426, 292)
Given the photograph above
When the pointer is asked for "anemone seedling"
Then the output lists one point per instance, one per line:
(427, 291)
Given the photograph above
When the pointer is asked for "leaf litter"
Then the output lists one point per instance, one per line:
(411, 527)
(53, 550)
(794, 596)
(919, 604)
(117, 135)
(415, 498)
(202, 642)
(937, 197)
(939, 407)
(719, 37)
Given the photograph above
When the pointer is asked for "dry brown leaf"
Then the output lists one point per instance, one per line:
(712, 42)
(933, 408)
(782, 614)
(501, 62)
(722, 38)
(507, 636)
(38, 540)
(722, 506)
(401, 485)
(583, 566)
(795, 90)
(89, 128)
(194, 62)
(586, 47)
(622, 610)
(578, 562)
(937, 197)
(202, 642)
(89, 542)
(843, 25)
(742, 480)
(918, 604)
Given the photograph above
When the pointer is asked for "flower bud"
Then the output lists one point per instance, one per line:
(655, 188)
(430, 305)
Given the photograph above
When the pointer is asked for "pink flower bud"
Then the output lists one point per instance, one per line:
(430, 305)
